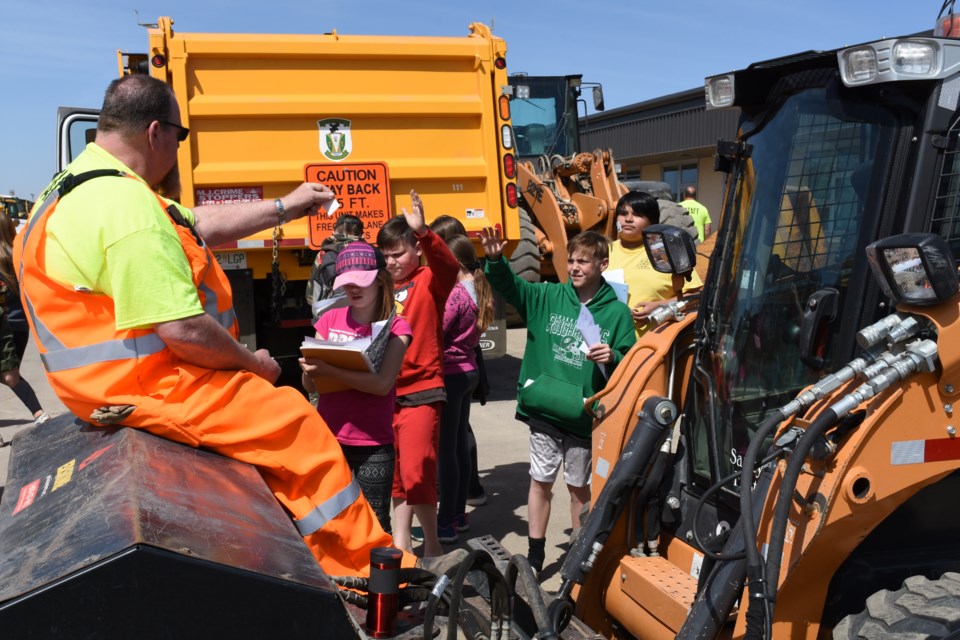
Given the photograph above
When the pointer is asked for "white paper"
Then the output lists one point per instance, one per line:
(590, 331)
(588, 327)
(622, 291)
(331, 207)
(614, 275)
(377, 327)
(614, 278)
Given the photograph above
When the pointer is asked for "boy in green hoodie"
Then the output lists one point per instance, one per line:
(560, 371)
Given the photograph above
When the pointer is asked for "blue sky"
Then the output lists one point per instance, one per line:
(54, 52)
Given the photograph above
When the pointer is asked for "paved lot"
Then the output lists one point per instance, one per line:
(502, 446)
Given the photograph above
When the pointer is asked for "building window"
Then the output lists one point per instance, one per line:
(680, 177)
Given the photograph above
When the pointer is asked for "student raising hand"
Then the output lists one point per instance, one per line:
(415, 217)
(492, 243)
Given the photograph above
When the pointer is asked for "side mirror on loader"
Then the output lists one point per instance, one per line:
(670, 249)
(914, 268)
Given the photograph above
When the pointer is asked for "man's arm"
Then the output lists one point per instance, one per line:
(222, 223)
(200, 341)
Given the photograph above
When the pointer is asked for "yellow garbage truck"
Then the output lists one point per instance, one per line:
(371, 116)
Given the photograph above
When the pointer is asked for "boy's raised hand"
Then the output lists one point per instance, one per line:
(415, 217)
(492, 244)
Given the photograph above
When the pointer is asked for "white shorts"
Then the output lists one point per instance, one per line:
(546, 454)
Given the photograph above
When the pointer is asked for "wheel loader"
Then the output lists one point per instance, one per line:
(563, 189)
(783, 461)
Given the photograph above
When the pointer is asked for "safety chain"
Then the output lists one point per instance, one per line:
(278, 282)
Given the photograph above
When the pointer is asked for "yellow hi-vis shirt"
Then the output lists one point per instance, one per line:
(110, 237)
(699, 213)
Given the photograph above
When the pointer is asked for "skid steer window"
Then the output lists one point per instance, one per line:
(800, 204)
(946, 212)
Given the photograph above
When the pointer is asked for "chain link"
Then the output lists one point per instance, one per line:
(279, 283)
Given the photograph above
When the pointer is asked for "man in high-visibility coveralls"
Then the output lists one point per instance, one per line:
(134, 321)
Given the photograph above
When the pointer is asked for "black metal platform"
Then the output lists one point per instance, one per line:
(115, 533)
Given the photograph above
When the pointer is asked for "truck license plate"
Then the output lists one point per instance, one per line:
(232, 259)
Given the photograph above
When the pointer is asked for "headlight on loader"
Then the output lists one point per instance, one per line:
(720, 91)
(858, 66)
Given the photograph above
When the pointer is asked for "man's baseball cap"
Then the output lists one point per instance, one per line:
(357, 264)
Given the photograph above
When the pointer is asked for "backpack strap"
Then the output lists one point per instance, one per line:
(71, 182)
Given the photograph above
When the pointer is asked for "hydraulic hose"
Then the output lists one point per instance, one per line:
(519, 567)
(724, 584)
(500, 597)
(643, 503)
(755, 575)
(778, 526)
(698, 508)
(884, 374)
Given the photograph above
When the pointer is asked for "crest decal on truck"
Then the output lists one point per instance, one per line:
(335, 141)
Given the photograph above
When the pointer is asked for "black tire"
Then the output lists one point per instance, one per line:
(923, 608)
(525, 260)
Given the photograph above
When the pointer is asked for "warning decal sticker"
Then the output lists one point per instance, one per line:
(361, 189)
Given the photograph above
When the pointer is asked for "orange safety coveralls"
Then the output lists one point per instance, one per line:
(238, 414)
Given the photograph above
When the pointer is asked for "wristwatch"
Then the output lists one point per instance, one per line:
(281, 215)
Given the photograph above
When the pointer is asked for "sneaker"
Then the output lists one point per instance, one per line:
(463, 523)
(447, 534)
(478, 499)
(42, 418)
(440, 565)
(416, 534)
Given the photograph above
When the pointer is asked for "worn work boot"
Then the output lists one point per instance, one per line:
(439, 565)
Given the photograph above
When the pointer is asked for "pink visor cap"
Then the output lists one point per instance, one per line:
(358, 264)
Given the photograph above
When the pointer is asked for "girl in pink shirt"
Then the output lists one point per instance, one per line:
(361, 417)
(468, 311)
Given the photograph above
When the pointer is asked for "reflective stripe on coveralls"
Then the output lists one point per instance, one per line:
(57, 357)
(235, 413)
(329, 510)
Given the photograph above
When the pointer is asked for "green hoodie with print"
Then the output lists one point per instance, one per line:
(555, 376)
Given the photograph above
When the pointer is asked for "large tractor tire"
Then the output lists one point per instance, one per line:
(525, 261)
(922, 609)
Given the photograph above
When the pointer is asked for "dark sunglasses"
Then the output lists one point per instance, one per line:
(182, 132)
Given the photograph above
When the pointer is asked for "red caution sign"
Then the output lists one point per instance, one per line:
(361, 189)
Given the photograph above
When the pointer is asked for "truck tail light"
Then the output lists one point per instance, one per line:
(512, 195)
(510, 166)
